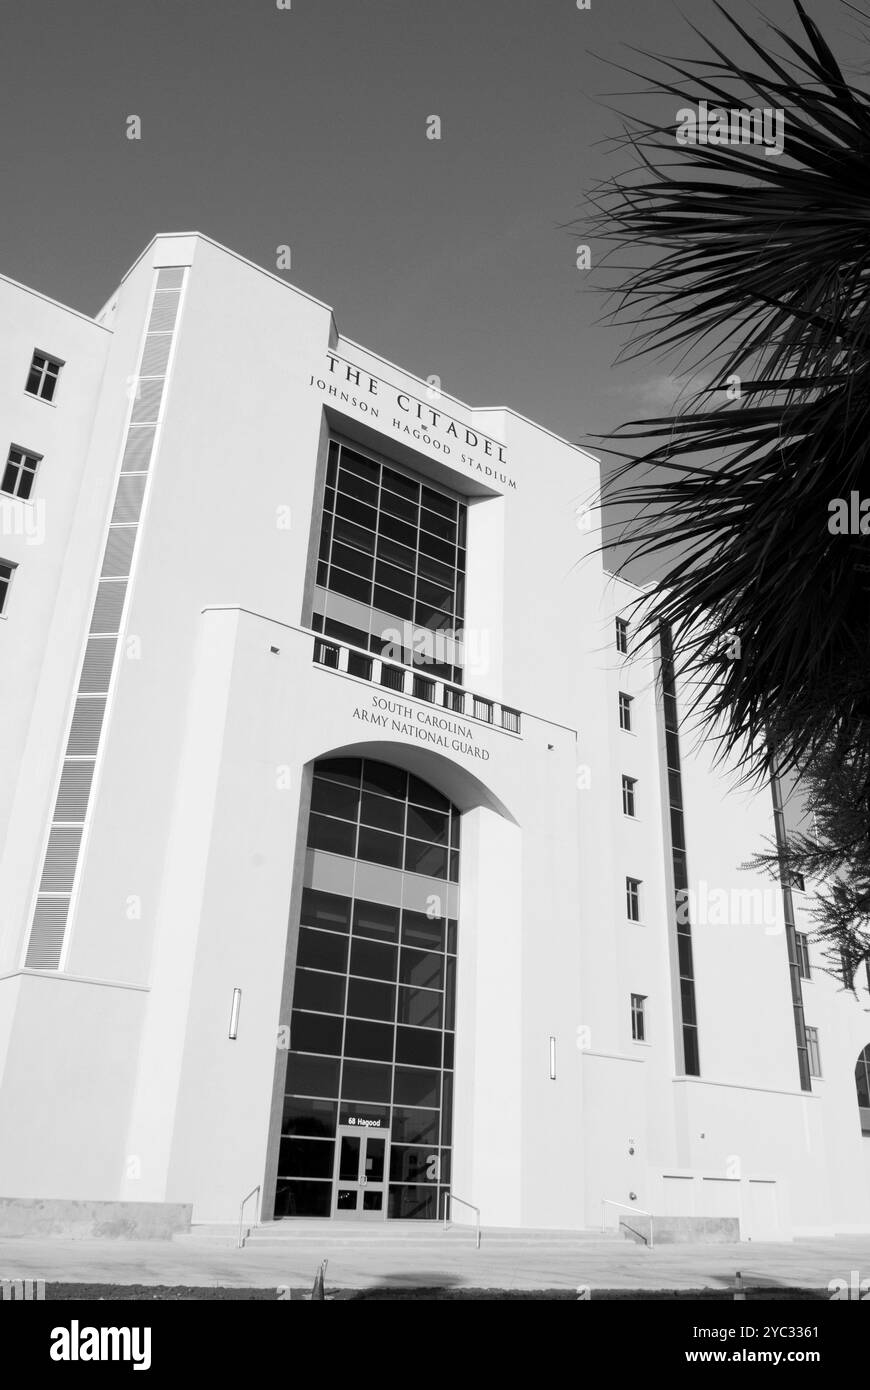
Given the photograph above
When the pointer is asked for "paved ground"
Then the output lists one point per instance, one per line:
(540, 1263)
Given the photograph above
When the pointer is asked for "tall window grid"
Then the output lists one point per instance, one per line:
(632, 899)
(622, 636)
(862, 1085)
(800, 1030)
(628, 796)
(682, 925)
(20, 472)
(625, 703)
(42, 376)
(813, 1053)
(395, 547)
(803, 954)
(372, 1027)
(7, 569)
(638, 1017)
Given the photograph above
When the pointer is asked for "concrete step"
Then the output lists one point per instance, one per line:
(326, 1234)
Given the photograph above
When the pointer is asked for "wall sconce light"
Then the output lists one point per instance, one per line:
(552, 1059)
(234, 1013)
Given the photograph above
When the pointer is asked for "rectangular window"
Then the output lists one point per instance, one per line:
(7, 569)
(632, 899)
(482, 709)
(628, 796)
(510, 719)
(622, 636)
(638, 1017)
(402, 565)
(803, 954)
(848, 966)
(798, 882)
(20, 472)
(42, 377)
(325, 654)
(625, 703)
(815, 1057)
(424, 688)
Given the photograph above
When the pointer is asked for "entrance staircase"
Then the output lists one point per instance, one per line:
(326, 1235)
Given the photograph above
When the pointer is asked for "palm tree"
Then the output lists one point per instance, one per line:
(756, 268)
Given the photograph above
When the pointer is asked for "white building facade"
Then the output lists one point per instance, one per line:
(350, 852)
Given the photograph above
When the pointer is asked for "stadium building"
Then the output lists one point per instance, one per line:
(352, 855)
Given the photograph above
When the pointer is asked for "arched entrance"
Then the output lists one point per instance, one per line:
(366, 1130)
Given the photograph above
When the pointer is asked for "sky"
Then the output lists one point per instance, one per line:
(306, 126)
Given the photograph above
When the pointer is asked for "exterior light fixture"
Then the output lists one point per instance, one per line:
(552, 1059)
(234, 1014)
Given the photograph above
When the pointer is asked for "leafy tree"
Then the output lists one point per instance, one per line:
(833, 849)
(756, 267)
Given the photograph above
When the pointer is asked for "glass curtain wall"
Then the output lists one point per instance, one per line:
(372, 1026)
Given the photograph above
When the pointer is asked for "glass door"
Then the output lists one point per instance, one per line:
(360, 1184)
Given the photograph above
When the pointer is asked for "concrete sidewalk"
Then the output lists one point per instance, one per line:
(524, 1263)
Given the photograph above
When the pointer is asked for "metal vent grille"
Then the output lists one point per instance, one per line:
(170, 277)
(108, 606)
(61, 857)
(97, 667)
(73, 792)
(46, 933)
(84, 734)
(164, 311)
(156, 354)
(128, 498)
(147, 403)
(119, 551)
(137, 454)
(51, 913)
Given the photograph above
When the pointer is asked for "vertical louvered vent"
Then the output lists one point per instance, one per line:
(49, 923)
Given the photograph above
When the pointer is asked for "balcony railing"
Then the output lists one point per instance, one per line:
(408, 681)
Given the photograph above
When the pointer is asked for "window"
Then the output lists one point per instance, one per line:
(424, 689)
(622, 636)
(391, 561)
(510, 720)
(638, 1017)
(373, 1017)
(625, 703)
(862, 1085)
(42, 377)
(815, 1057)
(393, 677)
(797, 881)
(325, 654)
(803, 954)
(632, 899)
(482, 709)
(6, 571)
(20, 472)
(628, 797)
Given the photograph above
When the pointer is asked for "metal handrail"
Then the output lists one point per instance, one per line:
(448, 1198)
(245, 1200)
(639, 1211)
